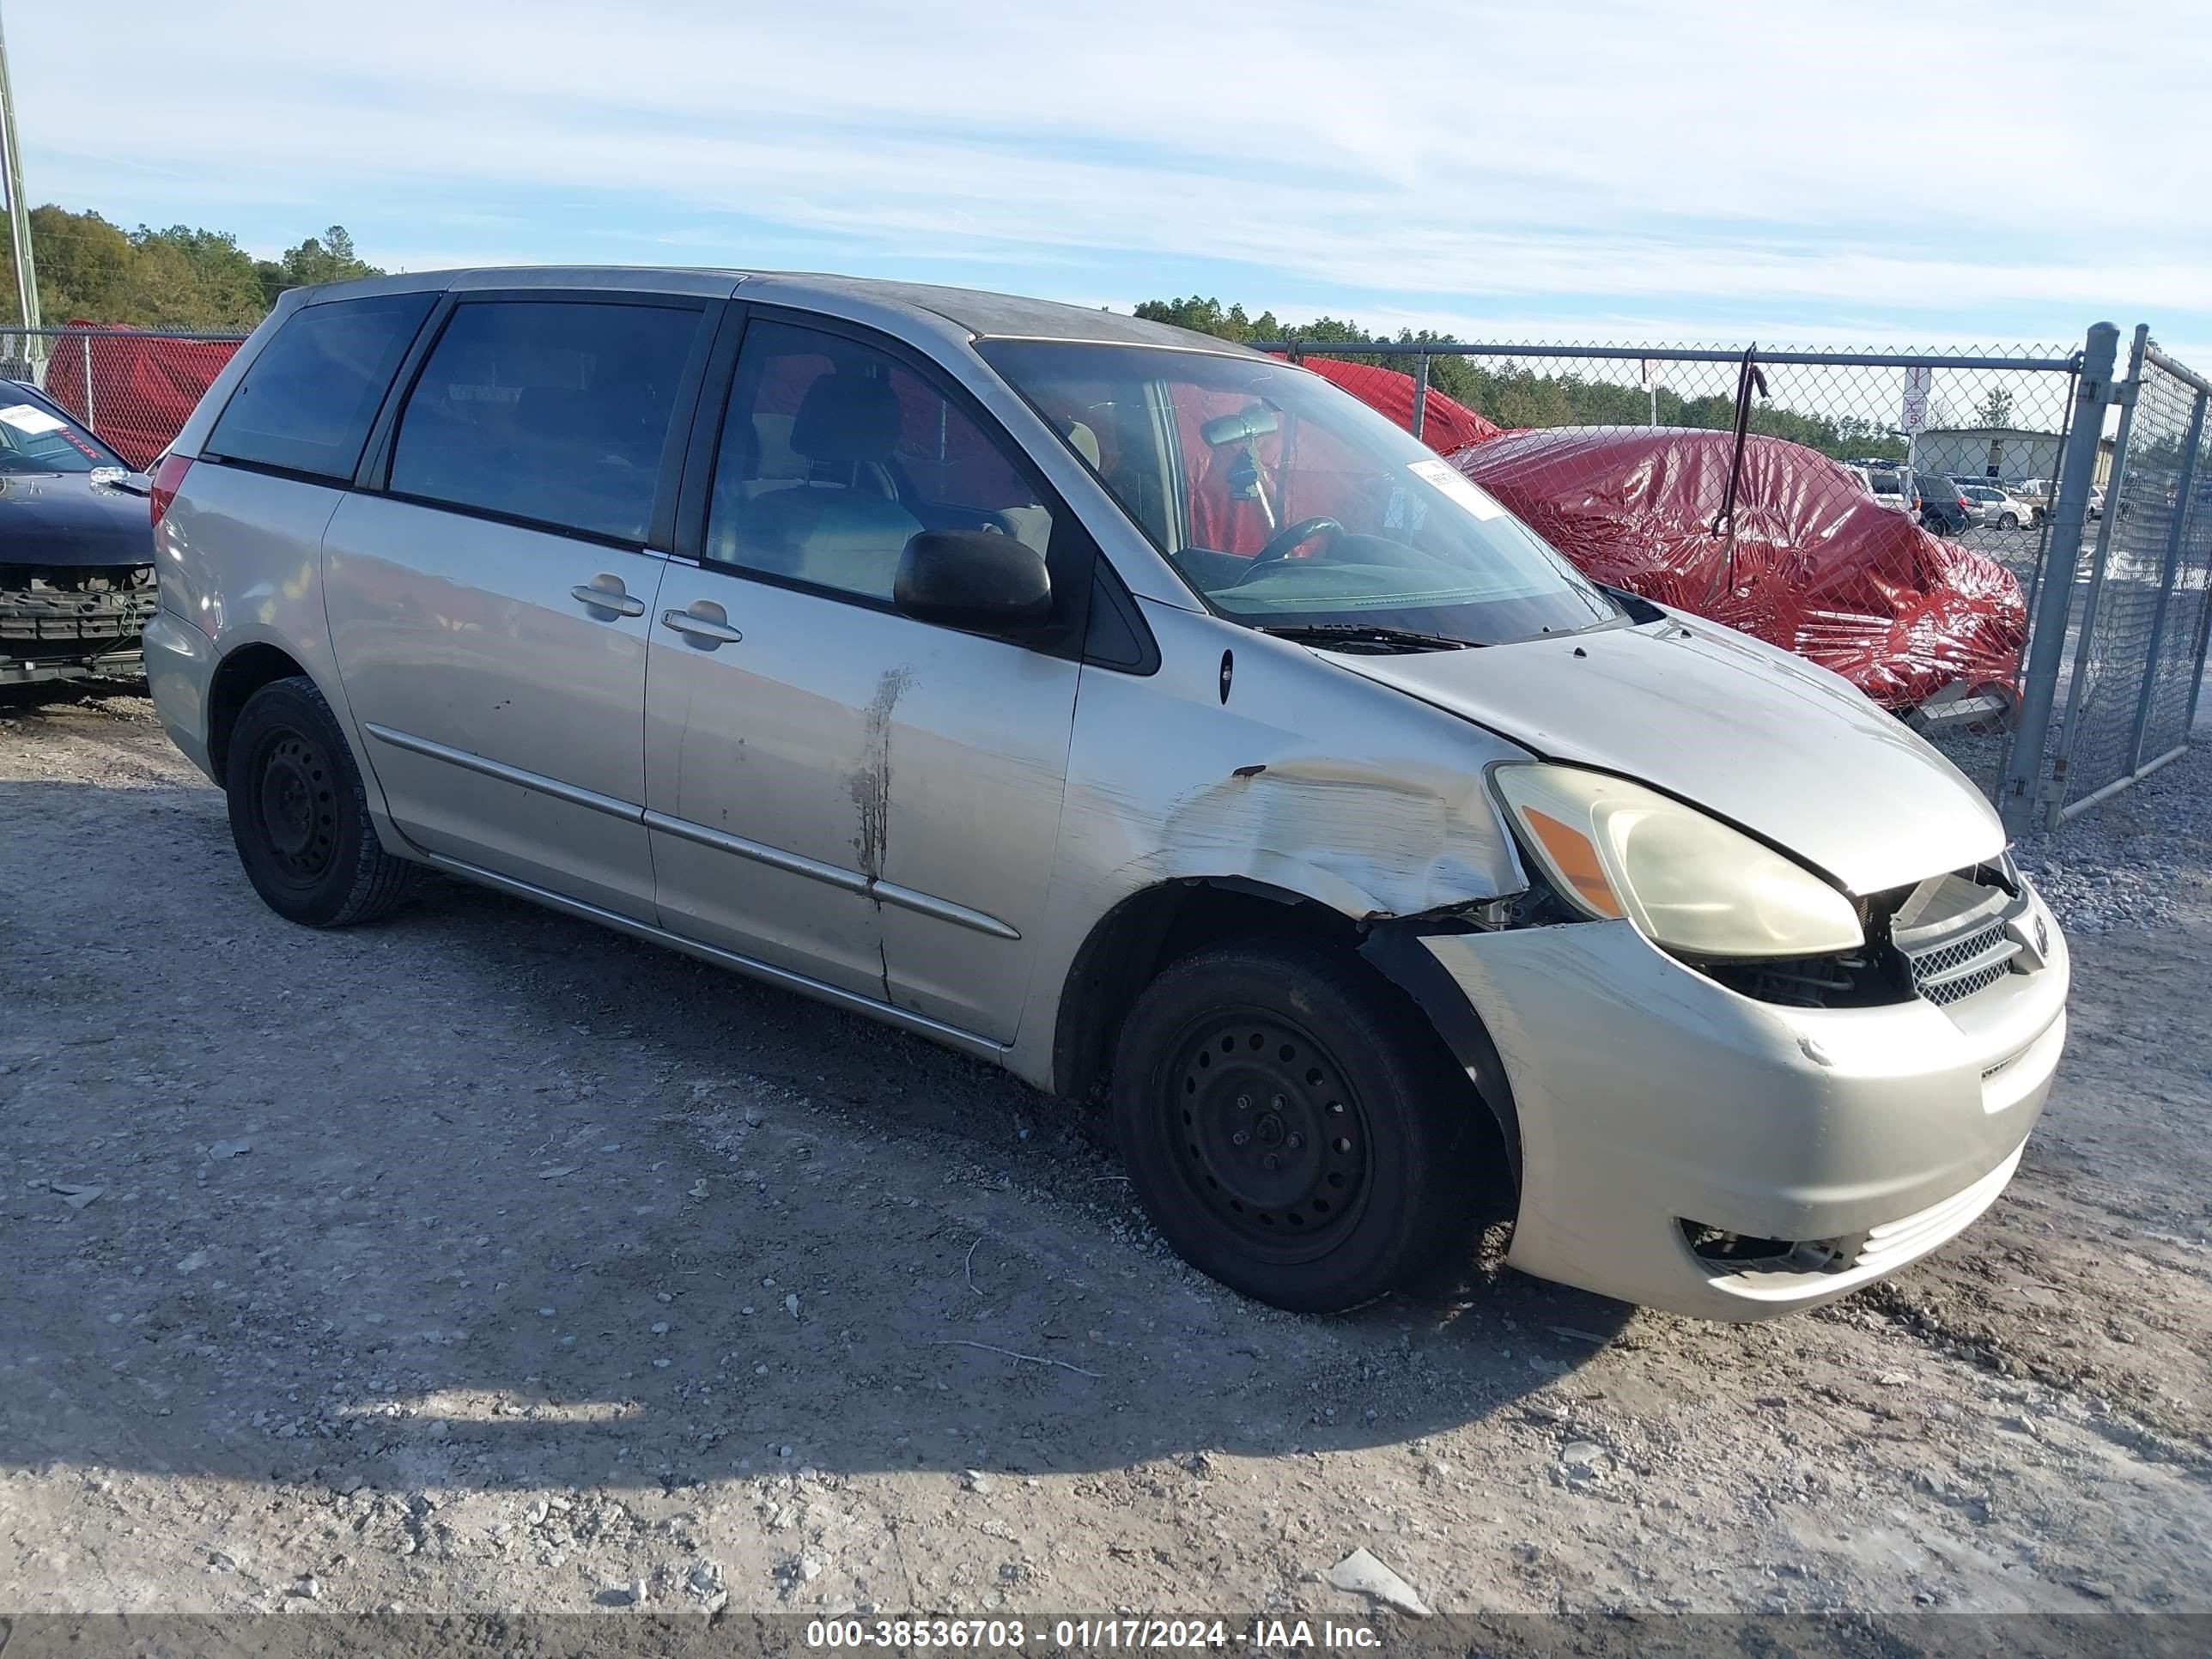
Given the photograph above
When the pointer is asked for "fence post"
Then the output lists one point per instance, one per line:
(1420, 393)
(2046, 649)
(2197, 664)
(2069, 729)
(84, 341)
(2175, 537)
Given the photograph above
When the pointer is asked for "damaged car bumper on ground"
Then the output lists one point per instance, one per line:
(1690, 1148)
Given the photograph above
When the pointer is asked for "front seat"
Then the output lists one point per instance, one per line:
(843, 527)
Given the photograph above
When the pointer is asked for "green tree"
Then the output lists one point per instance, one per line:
(1995, 408)
(327, 258)
(1205, 316)
(180, 277)
(82, 261)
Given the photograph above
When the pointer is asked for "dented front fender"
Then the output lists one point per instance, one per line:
(1271, 770)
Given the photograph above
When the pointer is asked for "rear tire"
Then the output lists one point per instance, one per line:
(299, 812)
(1293, 1127)
(2010, 521)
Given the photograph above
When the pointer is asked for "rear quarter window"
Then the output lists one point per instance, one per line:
(306, 402)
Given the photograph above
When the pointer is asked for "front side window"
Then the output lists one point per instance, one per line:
(306, 403)
(834, 453)
(1290, 506)
(553, 412)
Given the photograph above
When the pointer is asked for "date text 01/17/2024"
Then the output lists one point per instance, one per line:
(1016, 1635)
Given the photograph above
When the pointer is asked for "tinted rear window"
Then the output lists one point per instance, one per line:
(547, 411)
(306, 402)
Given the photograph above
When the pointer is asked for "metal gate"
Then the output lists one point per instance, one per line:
(2119, 652)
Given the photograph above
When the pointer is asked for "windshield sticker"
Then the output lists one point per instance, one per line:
(1456, 485)
(29, 417)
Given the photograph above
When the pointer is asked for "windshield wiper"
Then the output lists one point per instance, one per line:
(1374, 636)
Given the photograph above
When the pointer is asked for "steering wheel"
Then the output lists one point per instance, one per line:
(1286, 541)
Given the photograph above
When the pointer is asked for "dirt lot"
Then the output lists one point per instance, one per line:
(479, 1260)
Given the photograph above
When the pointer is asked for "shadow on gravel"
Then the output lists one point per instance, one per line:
(486, 1198)
(57, 694)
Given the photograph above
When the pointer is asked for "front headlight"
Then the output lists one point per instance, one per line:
(1689, 882)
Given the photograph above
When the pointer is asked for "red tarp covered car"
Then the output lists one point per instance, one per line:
(1447, 424)
(142, 385)
(1820, 567)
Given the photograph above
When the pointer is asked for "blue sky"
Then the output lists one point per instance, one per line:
(1936, 173)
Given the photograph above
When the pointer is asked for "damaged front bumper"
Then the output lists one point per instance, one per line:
(1685, 1147)
(68, 624)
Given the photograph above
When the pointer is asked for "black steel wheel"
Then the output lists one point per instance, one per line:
(299, 812)
(295, 796)
(1273, 1136)
(1293, 1126)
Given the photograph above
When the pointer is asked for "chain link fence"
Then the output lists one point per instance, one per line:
(1886, 514)
(132, 387)
(2135, 620)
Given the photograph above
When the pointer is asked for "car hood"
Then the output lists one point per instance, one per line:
(66, 519)
(1756, 736)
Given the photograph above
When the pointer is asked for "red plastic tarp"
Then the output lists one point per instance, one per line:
(144, 387)
(1820, 567)
(1447, 426)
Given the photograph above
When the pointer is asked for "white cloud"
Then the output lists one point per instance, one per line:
(1658, 161)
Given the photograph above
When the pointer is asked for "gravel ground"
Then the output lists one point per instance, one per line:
(480, 1261)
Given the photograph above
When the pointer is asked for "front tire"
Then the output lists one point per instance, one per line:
(2010, 521)
(299, 812)
(1292, 1127)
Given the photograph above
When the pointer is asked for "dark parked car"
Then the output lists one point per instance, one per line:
(1943, 506)
(76, 555)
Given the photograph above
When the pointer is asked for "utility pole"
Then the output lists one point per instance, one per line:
(19, 216)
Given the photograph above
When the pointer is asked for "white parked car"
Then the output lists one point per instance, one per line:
(1988, 507)
(1892, 486)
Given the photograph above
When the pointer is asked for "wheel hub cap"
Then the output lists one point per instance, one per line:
(1271, 1142)
(298, 807)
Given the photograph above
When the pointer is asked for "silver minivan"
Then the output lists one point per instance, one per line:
(1135, 712)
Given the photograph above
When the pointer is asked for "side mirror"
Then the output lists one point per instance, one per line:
(973, 579)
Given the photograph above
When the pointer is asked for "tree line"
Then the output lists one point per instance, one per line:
(1516, 395)
(182, 277)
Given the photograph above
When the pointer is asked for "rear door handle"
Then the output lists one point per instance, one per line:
(710, 631)
(605, 592)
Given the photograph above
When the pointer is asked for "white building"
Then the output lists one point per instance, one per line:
(2003, 454)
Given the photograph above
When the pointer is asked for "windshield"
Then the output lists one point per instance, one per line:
(1290, 506)
(33, 438)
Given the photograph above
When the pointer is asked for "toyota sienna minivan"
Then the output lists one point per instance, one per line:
(1134, 711)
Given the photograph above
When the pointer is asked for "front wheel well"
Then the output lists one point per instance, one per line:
(1147, 932)
(237, 678)
(1144, 933)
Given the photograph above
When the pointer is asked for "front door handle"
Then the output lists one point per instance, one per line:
(605, 592)
(703, 622)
